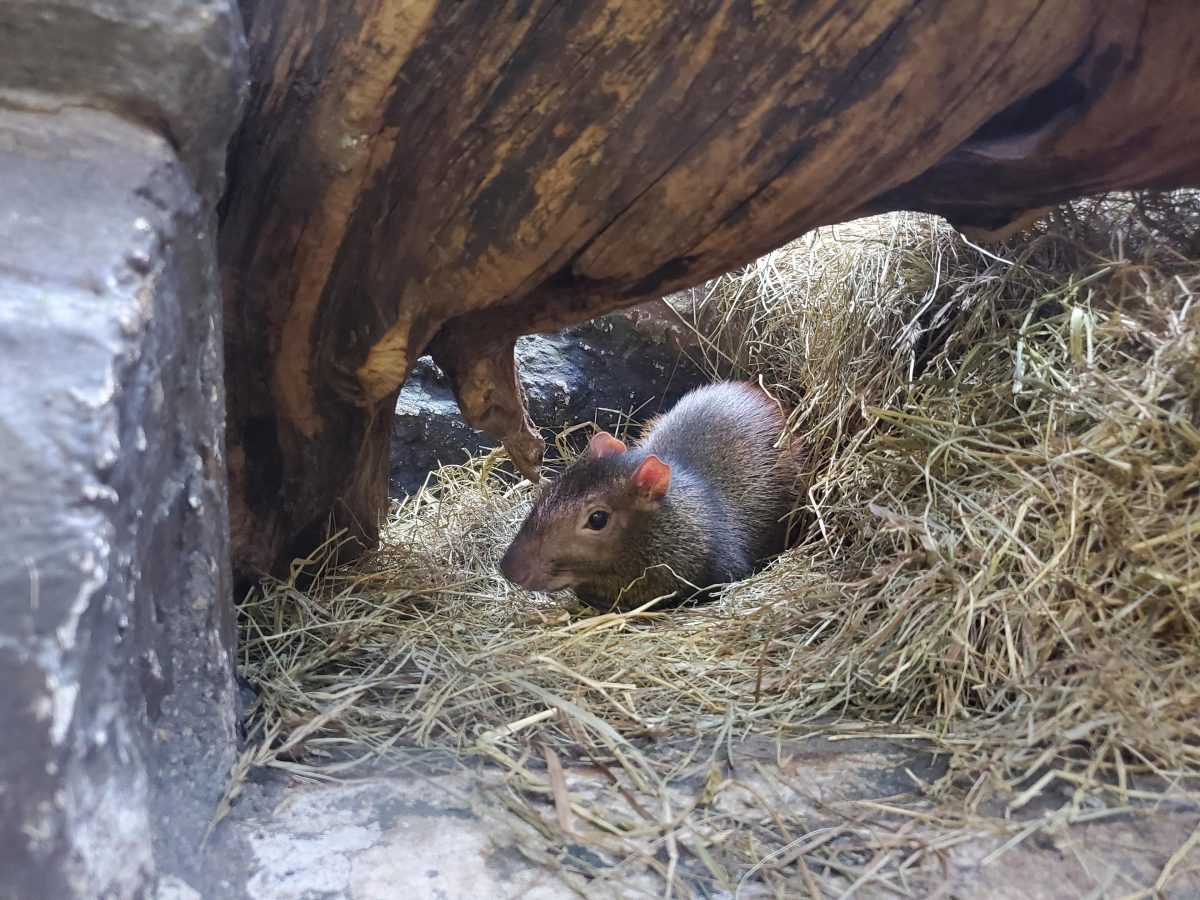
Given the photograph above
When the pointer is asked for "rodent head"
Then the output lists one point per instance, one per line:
(582, 524)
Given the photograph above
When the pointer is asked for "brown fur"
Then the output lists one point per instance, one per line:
(725, 510)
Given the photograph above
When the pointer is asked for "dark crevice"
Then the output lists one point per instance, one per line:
(988, 74)
(1033, 113)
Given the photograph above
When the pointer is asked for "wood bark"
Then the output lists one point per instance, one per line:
(444, 175)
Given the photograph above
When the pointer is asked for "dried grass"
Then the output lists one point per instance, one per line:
(1000, 556)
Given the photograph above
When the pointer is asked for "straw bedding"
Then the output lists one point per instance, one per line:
(1000, 546)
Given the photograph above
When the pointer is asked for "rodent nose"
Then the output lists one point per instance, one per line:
(514, 568)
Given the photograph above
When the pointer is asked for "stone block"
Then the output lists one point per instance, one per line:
(116, 619)
(177, 66)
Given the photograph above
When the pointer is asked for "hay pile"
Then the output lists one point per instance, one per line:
(1006, 485)
(1001, 554)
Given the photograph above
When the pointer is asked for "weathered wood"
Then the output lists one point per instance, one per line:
(449, 174)
(1120, 117)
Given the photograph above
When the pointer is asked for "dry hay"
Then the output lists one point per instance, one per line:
(1001, 557)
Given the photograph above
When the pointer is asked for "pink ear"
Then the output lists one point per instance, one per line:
(604, 444)
(653, 477)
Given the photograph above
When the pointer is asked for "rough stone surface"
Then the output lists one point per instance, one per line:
(173, 887)
(177, 66)
(116, 627)
(630, 361)
(410, 837)
(391, 838)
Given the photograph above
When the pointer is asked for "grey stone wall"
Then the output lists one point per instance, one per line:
(178, 67)
(116, 627)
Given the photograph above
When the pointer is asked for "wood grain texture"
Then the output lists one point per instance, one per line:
(450, 174)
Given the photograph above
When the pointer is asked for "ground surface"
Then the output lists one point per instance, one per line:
(412, 836)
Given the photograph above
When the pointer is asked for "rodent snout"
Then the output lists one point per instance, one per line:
(515, 567)
(523, 567)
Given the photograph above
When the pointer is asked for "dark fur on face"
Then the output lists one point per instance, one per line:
(588, 481)
(554, 548)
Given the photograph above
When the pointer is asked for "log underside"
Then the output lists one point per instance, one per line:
(443, 176)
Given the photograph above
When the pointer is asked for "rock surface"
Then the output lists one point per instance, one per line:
(632, 361)
(434, 837)
(116, 627)
(177, 66)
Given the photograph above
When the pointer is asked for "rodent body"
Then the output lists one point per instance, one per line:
(702, 500)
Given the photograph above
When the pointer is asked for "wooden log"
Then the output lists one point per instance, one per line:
(446, 175)
(1119, 117)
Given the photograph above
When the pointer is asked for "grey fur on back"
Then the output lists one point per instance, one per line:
(724, 434)
(731, 492)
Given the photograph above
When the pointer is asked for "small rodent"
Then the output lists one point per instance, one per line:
(702, 500)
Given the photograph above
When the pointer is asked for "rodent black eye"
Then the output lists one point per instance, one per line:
(597, 520)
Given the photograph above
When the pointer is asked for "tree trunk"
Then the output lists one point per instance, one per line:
(446, 175)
